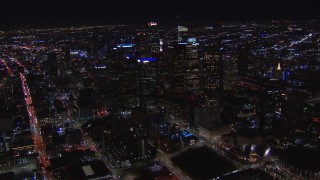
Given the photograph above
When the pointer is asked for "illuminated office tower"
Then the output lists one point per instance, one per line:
(177, 68)
(148, 42)
(153, 41)
(141, 44)
(148, 50)
(230, 68)
(192, 65)
(213, 72)
(147, 81)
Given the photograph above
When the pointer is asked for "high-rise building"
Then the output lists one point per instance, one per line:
(192, 65)
(184, 67)
(230, 68)
(52, 64)
(177, 68)
(243, 60)
(213, 72)
(85, 104)
(142, 45)
(148, 42)
(182, 32)
(147, 81)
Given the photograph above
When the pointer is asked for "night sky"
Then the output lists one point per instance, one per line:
(44, 13)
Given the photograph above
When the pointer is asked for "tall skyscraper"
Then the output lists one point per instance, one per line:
(213, 70)
(148, 42)
(52, 64)
(147, 80)
(85, 104)
(230, 68)
(177, 68)
(243, 60)
(192, 65)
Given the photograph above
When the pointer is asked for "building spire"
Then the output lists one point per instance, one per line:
(279, 67)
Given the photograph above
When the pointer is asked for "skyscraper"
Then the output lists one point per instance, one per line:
(213, 72)
(148, 42)
(243, 60)
(147, 80)
(52, 64)
(192, 65)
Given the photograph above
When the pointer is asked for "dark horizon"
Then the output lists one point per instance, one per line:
(37, 14)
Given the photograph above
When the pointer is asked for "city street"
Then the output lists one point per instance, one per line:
(36, 131)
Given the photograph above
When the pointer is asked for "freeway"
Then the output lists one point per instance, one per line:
(34, 125)
(7, 67)
(36, 131)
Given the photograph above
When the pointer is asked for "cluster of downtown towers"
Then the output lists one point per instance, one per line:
(123, 84)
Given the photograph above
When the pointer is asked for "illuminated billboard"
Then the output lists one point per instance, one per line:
(146, 60)
(125, 45)
(152, 24)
